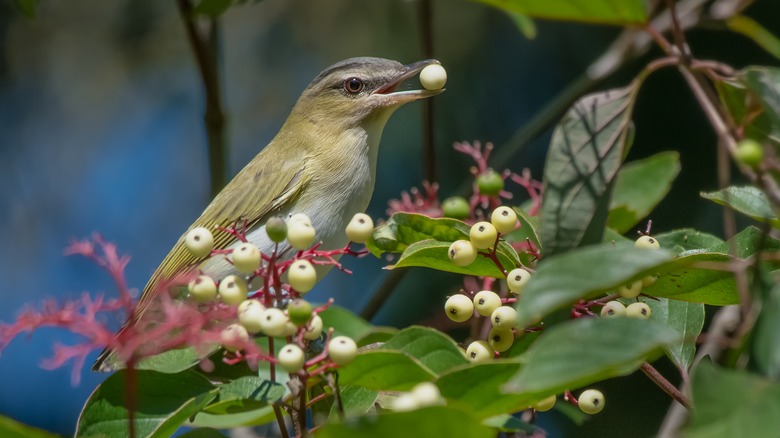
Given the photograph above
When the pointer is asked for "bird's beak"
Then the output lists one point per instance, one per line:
(392, 97)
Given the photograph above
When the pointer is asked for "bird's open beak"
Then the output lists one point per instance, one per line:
(410, 70)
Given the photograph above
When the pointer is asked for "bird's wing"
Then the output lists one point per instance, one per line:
(261, 188)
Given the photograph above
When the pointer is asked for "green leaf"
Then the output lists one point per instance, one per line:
(583, 273)
(764, 82)
(431, 347)
(618, 12)
(686, 239)
(748, 27)
(509, 423)
(747, 200)
(247, 393)
(603, 348)
(732, 403)
(385, 371)
(478, 387)
(204, 432)
(525, 24)
(175, 361)
(746, 110)
(163, 403)
(357, 401)
(766, 341)
(444, 421)
(685, 318)
(639, 187)
(525, 232)
(255, 417)
(682, 280)
(212, 8)
(344, 322)
(747, 242)
(585, 154)
(433, 254)
(10, 428)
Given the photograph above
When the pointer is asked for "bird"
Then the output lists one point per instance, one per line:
(321, 163)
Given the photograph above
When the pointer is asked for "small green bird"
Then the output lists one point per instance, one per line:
(321, 163)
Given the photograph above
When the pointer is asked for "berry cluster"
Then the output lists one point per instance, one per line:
(631, 291)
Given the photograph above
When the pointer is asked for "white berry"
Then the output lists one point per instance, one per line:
(631, 290)
(647, 242)
(462, 253)
(203, 289)
(313, 329)
(613, 308)
(483, 235)
(591, 401)
(479, 351)
(232, 290)
(504, 318)
(246, 258)
(501, 340)
(199, 241)
(517, 279)
(459, 308)
(274, 322)
(504, 219)
(545, 404)
(433, 77)
(299, 217)
(486, 301)
(360, 228)
(300, 234)
(291, 358)
(342, 350)
(638, 310)
(234, 337)
(250, 315)
(302, 276)
(427, 394)
(404, 403)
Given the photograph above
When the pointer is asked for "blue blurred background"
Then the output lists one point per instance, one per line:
(101, 130)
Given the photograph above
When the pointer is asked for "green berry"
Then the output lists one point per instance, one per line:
(456, 207)
(504, 219)
(479, 351)
(462, 253)
(631, 290)
(302, 276)
(232, 290)
(749, 152)
(276, 228)
(433, 77)
(291, 358)
(274, 322)
(501, 340)
(360, 228)
(490, 183)
(234, 337)
(199, 241)
(591, 401)
(300, 234)
(504, 318)
(250, 315)
(427, 394)
(486, 301)
(313, 329)
(246, 258)
(545, 404)
(203, 289)
(647, 242)
(299, 311)
(483, 235)
(516, 280)
(638, 310)
(459, 308)
(342, 350)
(613, 308)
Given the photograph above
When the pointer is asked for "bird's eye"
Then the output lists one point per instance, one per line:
(353, 85)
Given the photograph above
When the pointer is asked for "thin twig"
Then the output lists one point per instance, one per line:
(665, 385)
(429, 148)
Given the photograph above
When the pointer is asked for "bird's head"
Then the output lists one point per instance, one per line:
(347, 93)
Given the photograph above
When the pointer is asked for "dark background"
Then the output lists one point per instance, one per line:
(101, 130)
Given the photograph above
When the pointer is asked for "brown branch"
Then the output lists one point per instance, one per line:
(425, 11)
(205, 48)
(665, 385)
